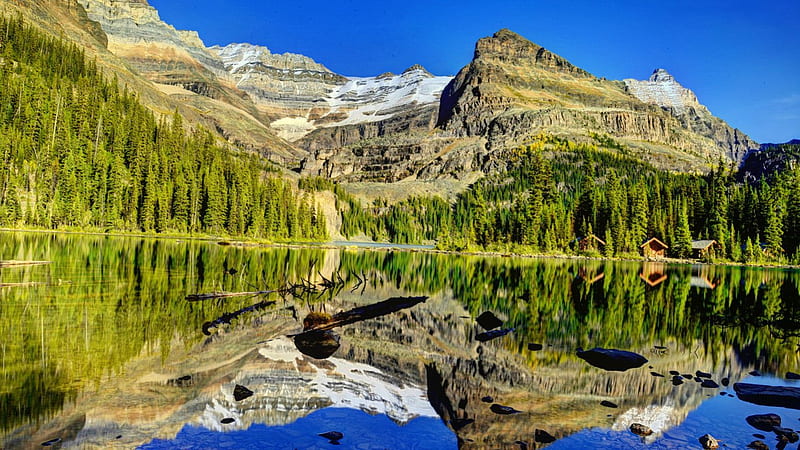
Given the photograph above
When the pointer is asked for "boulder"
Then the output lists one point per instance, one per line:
(612, 359)
(708, 441)
(764, 422)
(782, 396)
(640, 430)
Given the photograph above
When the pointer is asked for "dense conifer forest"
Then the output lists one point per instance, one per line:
(79, 152)
(555, 192)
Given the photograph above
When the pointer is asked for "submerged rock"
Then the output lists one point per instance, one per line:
(782, 396)
(612, 359)
(640, 430)
(458, 424)
(543, 436)
(764, 422)
(501, 409)
(240, 393)
(489, 321)
(708, 441)
(489, 335)
(709, 384)
(758, 445)
(788, 433)
(332, 435)
(317, 344)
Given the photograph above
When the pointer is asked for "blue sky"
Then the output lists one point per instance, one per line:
(742, 59)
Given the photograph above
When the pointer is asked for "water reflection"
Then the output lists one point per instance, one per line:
(107, 346)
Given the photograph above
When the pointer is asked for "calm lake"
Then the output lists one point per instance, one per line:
(100, 348)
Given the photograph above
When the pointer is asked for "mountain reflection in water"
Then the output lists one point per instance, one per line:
(101, 349)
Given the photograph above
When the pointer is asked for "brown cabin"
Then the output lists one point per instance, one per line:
(703, 248)
(590, 242)
(654, 248)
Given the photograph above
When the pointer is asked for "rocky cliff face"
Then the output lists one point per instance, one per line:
(663, 90)
(514, 89)
(186, 71)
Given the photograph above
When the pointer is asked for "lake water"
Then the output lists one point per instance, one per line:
(100, 348)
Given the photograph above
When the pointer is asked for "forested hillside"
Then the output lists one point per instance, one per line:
(77, 151)
(555, 191)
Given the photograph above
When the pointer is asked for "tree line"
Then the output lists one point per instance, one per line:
(554, 192)
(79, 152)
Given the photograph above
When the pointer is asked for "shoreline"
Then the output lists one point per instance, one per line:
(380, 246)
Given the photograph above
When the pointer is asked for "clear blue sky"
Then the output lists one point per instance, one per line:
(741, 58)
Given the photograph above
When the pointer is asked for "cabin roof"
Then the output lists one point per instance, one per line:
(703, 244)
(592, 236)
(657, 241)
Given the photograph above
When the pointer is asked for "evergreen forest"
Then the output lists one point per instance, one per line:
(555, 192)
(77, 152)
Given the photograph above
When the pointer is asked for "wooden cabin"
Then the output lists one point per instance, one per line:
(654, 248)
(590, 242)
(704, 248)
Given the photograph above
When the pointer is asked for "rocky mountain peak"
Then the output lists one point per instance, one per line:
(507, 47)
(418, 68)
(661, 75)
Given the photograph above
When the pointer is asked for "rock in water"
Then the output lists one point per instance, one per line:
(332, 435)
(489, 335)
(726, 381)
(656, 374)
(487, 399)
(755, 373)
(640, 430)
(611, 359)
(228, 420)
(677, 380)
(489, 321)
(787, 433)
(764, 422)
(708, 441)
(51, 442)
(458, 424)
(500, 409)
(782, 396)
(792, 376)
(543, 436)
(608, 404)
(700, 374)
(758, 445)
(535, 347)
(709, 384)
(240, 392)
(674, 373)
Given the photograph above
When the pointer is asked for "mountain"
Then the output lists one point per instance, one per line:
(663, 90)
(770, 159)
(301, 95)
(514, 89)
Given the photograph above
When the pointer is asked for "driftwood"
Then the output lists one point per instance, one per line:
(215, 295)
(10, 285)
(22, 263)
(389, 306)
(228, 317)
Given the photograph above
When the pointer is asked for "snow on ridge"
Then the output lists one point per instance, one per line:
(377, 98)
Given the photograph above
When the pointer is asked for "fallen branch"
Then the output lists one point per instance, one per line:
(215, 295)
(22, 263)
